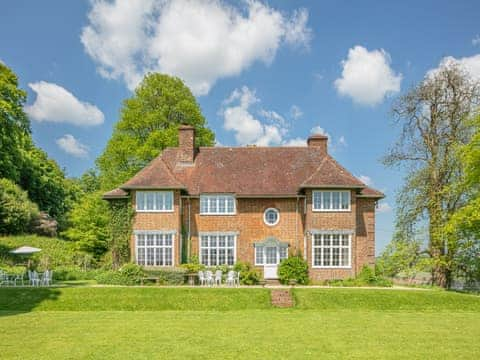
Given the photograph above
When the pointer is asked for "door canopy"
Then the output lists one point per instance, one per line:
(271, 241)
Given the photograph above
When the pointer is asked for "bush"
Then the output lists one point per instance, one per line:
(128, 274)
(169, 276)
(17, 212)
(366, 277)
(293, 268)
(248, 275)
(193, 266)
(69, 273)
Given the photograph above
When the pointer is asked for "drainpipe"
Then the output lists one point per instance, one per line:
(296, 225)
(188, 236)
(180, 233)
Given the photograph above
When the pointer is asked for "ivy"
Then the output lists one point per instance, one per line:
(121, 215)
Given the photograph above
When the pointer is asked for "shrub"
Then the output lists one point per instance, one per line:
(366, 277)
(293, 268)
(248, 275)
(69, 273)
(17, 212)
(128, 274)
(193, 266)
(16, 270)
(169, 276)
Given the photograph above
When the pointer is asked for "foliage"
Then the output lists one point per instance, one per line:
(14, 125)
(293, 268)
(89, 220)
(169, 276)
(69, 273)
(128, 274)
(434, 120)
(248, 274)
(148, 124)
(193, 266)
(366, 277)
(17, 212)
(13, 270)
(55, 252)
(121, 216)
(402, 255)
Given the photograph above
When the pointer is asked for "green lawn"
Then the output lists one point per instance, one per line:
(136, 323)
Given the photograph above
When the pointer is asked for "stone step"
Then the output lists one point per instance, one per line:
(281, 298)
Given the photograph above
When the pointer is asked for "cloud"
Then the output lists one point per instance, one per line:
(295, 112)
(471, 64)
(295, 142)
(367, 77)
(317, 130)
(342, 141)
(199, 41)
(367, 180)
(476, 40)
(384, 207)
(56, 104)
(72, 146)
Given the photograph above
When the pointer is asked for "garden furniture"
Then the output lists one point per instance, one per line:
(154, 278)
(201, 278)
(47, 278)
(33, 278)
(218, 277)
(231, 278)
(209, 277)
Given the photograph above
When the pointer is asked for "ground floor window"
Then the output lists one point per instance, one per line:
(331, 250)
(217, 249)
(270, 255)
(154, 249)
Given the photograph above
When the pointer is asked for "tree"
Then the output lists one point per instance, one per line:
(16, 210)
(89, 221)
(433, 116)
(14, 125)
(148, 124)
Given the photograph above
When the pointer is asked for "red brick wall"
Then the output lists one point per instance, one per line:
(291, 228)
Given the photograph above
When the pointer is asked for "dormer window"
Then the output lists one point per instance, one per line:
(331, 200)
(154, 201)
(217, 205)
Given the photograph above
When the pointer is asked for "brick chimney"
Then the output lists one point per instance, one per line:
(318, 141)
(186, 143)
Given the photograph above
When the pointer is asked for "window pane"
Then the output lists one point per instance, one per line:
(221, 205)
(168, 239)
(168, 200)
(222, 256)
(213, 257)
(317, 200)
(140, 240)
(345, 200)
(150, 256)
(204, 256)
(204, 241)
(230, 204)
(345, 240)
(336, 200)
(141, 256)
(326, 200)
(213, 241)
(168, 256)
(335, 240)
(259, 255)
(335, 256)
(203, 204)
(326, 240)
(326, 257)
(317, 257)
(231, 241)
(344, 260)
(317, 240)
(150, 240)
(159, 241)
(270, 255)
(140, 199)
(159, 256)
(230, 257)
(159, 201)
(213, 205)
(283, 253)
(221, 241)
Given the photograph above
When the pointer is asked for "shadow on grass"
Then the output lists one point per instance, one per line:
(16, 300)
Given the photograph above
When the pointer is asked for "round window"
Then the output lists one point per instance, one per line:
(271, 216)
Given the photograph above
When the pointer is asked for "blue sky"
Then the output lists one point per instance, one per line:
(269, 73)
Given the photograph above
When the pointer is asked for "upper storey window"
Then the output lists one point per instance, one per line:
(154, 201)
(331, 200)
(217, 204)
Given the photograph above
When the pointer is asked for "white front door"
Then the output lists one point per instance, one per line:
(271, 263)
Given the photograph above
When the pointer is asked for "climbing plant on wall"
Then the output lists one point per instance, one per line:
(121, 215)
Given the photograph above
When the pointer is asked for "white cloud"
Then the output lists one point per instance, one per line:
(476, 40)
(383, 207)
(317, 130)
(367, 180)
(471, 64)
(295, 112)
(248, 129)
(72, 146)
(367, 76)
(199, 41)
(56, 104)
(273, 116)
(296, 142)
(342, 141)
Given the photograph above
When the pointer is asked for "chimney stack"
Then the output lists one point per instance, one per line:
(186, 143)
(318, 141)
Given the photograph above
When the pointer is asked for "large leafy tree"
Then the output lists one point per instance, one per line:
(14, 125)
(148, 124)
(434, 120)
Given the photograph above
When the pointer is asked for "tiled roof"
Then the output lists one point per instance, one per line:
(246, 171)
(369, 192)
(115, 194)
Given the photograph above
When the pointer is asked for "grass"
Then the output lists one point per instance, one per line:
(179, 323)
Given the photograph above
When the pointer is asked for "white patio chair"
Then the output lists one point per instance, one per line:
(209, 277)
(218, 277)
(237, 277)
(201, 278)
(3, 278)
(33, 278)
(17, 278)
(231, 278)
(47, 278)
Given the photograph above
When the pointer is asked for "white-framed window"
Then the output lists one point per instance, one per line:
(271, 216)
(270, 255)
(331, 250)
(154, 248)
(217, 204)
(154, 201)
(331, 200)
(218, 249)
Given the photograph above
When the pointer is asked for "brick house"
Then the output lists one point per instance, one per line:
(254, 204)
